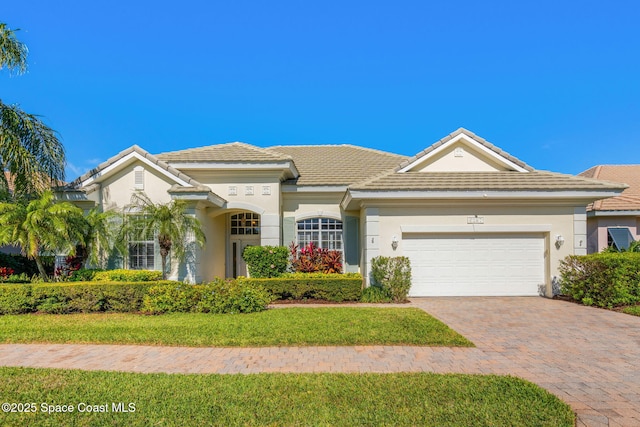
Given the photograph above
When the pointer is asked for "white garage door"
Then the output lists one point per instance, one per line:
(466, 265)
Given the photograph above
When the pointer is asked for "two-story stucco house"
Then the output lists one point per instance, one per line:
(472, 219)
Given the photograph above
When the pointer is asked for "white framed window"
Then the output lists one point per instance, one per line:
(245, 223)
(142, 251)
(325, 233)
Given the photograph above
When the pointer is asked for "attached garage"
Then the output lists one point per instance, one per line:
(475, 264)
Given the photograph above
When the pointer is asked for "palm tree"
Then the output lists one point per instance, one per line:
(41, 225)
(29, 150)
(100, 231)
(170, 221)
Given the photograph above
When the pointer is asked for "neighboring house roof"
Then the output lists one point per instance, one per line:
(235, 152)
(462, 131)
(629, 200)
(337, 164)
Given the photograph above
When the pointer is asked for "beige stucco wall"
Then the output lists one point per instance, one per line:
(309, 205)
(470, 160)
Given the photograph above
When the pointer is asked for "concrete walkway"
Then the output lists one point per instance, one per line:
(590, 358)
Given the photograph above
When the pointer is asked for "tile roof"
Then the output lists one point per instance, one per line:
(627, 174)
(337, 164)
(471, 135)
(479, 181)
(233, 152)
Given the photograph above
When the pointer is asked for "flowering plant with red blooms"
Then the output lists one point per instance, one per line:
(6, 272)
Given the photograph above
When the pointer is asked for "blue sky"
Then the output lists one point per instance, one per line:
(554, 83)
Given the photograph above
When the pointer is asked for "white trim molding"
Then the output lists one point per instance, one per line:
(477, 228)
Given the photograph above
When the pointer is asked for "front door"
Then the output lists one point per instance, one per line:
(244, 230)
(238, 244)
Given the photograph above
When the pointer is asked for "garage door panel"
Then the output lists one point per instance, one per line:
(452, 265)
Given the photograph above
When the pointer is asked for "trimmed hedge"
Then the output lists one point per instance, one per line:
(298, 286)
(603, 279)
(74, 297)
(122, 275)
(219, 296)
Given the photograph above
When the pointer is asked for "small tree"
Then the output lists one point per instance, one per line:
(41, 225)
(171, 223)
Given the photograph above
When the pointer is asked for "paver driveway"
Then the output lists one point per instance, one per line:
(588, 357)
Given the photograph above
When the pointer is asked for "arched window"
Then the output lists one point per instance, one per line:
(325, 233)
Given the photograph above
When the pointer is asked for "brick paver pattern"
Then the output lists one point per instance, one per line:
(588, 357)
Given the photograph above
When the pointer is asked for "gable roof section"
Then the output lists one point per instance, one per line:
(629, 200)
(233, 152)
(490, 150)
(183, 184)
(126, 157)
(337, 165)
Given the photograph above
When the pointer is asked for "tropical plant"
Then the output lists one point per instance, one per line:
(633, 247)
(171, 223)
(41, 225)
(101, 229)
(30, 151)
(310, 259)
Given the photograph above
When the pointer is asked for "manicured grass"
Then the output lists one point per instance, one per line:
(275, 327)
(633, 309)
(281, 399)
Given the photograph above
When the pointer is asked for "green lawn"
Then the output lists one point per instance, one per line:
(632, 309)
(275, 327)
(280, 399)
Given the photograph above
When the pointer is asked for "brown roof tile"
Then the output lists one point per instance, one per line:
(479, 181)
(627, 174)
(236, 152)
(337, 164)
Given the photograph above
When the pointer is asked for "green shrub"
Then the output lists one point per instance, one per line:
(373, 294)
(392, 274)
(603, 279)
(175, 298)
(123, 275)
(266, 261)
(83, 275)
(16, 299)
(232, 296)
(17, 278)
(328, 287)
